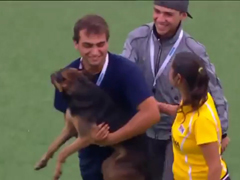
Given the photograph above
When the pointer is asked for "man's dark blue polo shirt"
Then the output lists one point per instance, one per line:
(126, 85)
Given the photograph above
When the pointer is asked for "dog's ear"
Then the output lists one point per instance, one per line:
(68, 80)
(88, 75)
(54, 81)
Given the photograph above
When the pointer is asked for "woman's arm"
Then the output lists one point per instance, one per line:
(207, 138)
(168, 108)
(212, 157)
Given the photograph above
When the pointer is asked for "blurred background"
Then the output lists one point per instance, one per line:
(36, 39)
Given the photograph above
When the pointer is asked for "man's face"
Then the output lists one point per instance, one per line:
(92, 47)
(166, 20)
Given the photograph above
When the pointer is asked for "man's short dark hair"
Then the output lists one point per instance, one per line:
(94, 24)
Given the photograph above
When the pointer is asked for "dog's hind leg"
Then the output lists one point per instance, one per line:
(120, 151)
(120, 169)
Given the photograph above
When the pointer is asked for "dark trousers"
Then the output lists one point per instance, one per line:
(161, 157)
(91, 159)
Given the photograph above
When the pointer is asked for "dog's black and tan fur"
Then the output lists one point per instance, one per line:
(93, 106)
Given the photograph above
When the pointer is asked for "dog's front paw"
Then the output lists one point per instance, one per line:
(42, 163)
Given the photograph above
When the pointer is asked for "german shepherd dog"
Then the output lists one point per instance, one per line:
(94, 106)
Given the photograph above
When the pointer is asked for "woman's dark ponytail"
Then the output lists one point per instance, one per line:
(192, 69)
(198, 95)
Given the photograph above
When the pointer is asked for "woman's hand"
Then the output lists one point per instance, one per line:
(225, 142)
(168, 108)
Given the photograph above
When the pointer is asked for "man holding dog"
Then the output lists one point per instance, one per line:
(111, 73)
(151, 47)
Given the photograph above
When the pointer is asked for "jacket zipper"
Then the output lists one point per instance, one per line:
(158, 61)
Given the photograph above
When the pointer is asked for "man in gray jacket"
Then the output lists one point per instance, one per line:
(152, 47)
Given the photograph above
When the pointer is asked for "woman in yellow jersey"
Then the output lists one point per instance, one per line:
(196, 131)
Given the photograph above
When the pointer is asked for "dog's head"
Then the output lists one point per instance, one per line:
(68, 80)
(76, 84)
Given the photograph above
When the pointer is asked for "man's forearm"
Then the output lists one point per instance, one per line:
(139, 124)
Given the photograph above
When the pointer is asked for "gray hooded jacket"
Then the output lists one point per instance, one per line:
(137, 49)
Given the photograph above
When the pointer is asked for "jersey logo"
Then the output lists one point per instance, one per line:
(181, 129)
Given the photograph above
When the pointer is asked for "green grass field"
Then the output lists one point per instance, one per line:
(36, 40)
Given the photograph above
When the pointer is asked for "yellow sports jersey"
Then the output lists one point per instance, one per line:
(198, 128)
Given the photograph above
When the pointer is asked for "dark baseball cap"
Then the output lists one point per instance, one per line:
(178, 5)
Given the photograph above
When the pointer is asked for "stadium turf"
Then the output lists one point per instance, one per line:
(36, 40)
